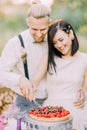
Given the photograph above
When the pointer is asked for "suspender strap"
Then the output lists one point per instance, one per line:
(21, 41)
(25, 64)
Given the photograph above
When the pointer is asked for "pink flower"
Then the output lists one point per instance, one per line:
(1, 126)
(3, 121)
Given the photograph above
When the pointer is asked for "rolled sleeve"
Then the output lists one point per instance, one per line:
(9, 74)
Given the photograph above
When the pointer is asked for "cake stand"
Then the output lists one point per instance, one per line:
(43, 125)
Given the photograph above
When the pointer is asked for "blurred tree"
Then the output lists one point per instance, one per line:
(75, 11)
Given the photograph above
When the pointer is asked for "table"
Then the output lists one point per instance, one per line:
(40, 125)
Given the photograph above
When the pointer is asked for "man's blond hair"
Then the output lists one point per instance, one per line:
(39, 10)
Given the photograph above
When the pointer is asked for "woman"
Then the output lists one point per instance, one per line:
(66, 69)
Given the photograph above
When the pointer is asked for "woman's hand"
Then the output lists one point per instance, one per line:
(27, 88)
(80, 101)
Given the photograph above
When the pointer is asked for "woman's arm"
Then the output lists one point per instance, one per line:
(84, 84)
(82, 93)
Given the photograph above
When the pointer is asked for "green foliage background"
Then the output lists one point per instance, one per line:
(75, 11)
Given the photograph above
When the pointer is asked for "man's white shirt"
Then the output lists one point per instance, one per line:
(11, 63)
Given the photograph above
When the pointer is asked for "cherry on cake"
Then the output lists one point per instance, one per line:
(49, 113)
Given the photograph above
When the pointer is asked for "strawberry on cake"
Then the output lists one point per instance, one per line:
(49, 113)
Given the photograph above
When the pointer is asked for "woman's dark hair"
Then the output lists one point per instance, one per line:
(52, 51)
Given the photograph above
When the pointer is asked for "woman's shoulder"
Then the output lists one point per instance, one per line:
(83, 55)
(83, 58)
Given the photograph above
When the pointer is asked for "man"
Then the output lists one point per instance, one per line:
(11, 63)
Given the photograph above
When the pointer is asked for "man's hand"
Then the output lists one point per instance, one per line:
(27, 88)
(80, 102)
